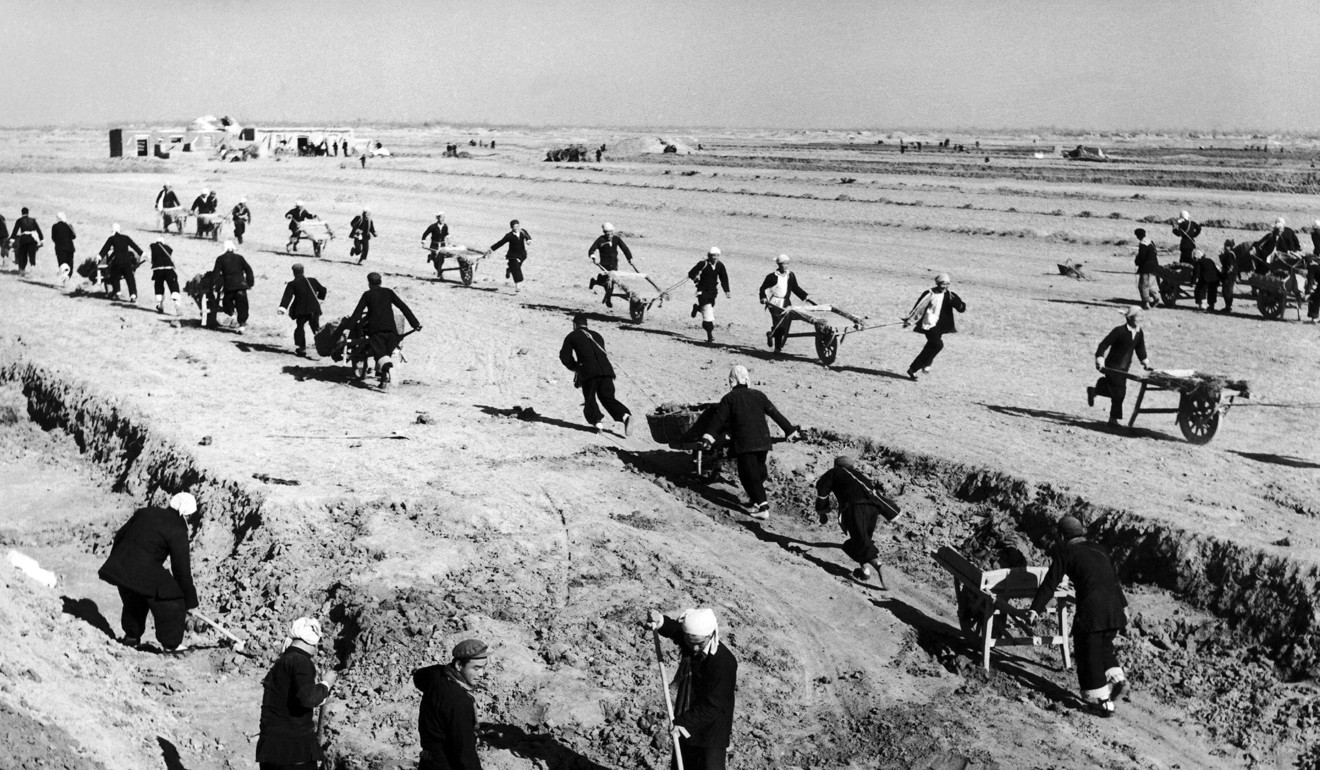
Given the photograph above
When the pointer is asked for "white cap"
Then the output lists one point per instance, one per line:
(607, 227)
(699, 622)
(782, 259)
(713, 251)
(1185, 215)
(366, 209)
(242, 200)
(738, 375)
(439, 214)
(60, 216)
(229, 245)
(184, 503)
(114, 228)
(205, 191)
(306, 630)
(1132, 312)
(298, 204)
(943, 278)
(1279, 222)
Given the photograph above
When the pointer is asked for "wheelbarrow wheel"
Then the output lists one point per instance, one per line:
(466, 272)
(1198, 417)
(1270, 305)
(1169, 292)
(827, 346)
(637, 310)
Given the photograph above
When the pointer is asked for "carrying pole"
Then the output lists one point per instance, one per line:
(664, 685)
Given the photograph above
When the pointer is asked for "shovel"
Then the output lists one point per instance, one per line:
(239, 644)
(664, 685)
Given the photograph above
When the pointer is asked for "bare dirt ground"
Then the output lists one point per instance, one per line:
(429, 513)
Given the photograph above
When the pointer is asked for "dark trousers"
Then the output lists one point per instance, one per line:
(168, 615)
(1207, 291)
(299, 335)
(515, 270)
(780, 325)
(117, 273)
(858, 522)
(236, 301)
(752, 473)
(601, 389)
(240, 227)
(1113, 386)
(1226, 290)
(1313, 307)
(934, 344)
(64, 257)
(1095, 655)
(25, 252)
(363, 246)
(165, 278)
(699, 757)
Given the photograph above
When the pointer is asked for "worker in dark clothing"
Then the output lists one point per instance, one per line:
(234, 276)
(4, 242)
(302, 301)
(201, 205)
(1113, 358)
(374, 319)
(1315, 239)
(709, 276)
(516, 239)
(166, 202)
(121, 255)
(608, 245)
(1147, 260)
(1187, 232)
(241, 216)
(295, 215)
(1208, 280)
(933, 316)
(744, 411)
(438, 236)
(136, 567)
(707, 684)
(1100, 612)
(776, 293)
(447, 719)
(27, 238)
(291, 693)
(583, 353)
(1313, 285)
(362, 230)
(1280, 240)
(163, 275)
(1234, 257)
(63, 236)
(861, 504)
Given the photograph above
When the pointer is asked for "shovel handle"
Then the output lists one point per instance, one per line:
(664, 686)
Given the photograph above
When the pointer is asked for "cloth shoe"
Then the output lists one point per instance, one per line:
(862, 573)
(240, 328)
(912, 375)
(769, 339)
(1103, 708)
(596, 427)
(759, 511)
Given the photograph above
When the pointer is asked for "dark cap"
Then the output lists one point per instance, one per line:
(297, 268)
(1140, 232)
(469, 649)
(843, 461)
(373, 279)
(1070, 527)
(579, 319)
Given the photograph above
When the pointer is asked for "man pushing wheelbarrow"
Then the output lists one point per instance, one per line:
(375, 312)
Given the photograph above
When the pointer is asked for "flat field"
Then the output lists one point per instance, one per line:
(430, 512)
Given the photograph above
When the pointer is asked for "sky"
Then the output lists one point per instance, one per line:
(881, 64)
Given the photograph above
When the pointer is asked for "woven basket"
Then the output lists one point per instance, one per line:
(669, 423)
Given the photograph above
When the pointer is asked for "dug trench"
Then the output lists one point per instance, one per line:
(1221, 649)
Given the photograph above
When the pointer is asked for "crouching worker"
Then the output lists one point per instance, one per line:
(291, 693)
(743, 411)
(447, 719)
(707, 679)
(1100, 612)
(302, 301)
(861, 504)
(136, 567)
(375, 312)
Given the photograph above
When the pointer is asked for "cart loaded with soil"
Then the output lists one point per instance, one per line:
(681, 426)
(465, 261)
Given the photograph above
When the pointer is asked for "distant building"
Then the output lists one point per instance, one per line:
(220, 136)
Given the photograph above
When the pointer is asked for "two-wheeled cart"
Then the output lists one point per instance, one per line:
(314, 230)
(1285, 285)
(1200, 398)
(465, 259)
(641, 292)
